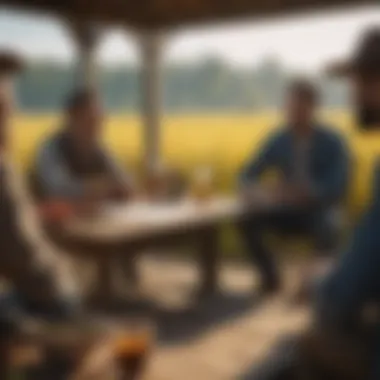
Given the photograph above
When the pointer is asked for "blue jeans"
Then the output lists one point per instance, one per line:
(286, 221)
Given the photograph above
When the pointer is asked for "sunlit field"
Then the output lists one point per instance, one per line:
(220, 141)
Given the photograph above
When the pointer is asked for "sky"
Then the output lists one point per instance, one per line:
(305, 43)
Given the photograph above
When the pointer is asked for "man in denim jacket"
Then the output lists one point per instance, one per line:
(313, 164)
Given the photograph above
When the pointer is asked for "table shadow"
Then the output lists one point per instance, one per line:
(185, 325)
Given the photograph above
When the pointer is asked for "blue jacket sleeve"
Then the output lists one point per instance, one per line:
(356, 278)
(334, 182)
(256, 166)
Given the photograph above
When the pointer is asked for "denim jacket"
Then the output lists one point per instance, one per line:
(328, 162)
(355, 281)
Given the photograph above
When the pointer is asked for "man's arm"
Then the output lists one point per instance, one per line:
(255, 167)
(122, 182)
(355, 280)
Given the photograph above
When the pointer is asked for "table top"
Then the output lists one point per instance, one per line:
(142, 219)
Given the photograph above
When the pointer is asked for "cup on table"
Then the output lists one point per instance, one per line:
(202, 184)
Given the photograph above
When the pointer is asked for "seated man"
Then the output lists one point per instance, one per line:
(43, 284)
(27, 260)
(313, 165)
(72, 165)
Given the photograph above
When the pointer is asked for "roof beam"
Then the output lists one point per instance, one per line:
(160, 14)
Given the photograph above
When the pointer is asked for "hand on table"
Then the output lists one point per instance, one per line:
(280, 193)
(119, 193)
(259, 194)
(290, 194)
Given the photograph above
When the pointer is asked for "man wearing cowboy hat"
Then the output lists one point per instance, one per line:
(353, 286)
(343, 341)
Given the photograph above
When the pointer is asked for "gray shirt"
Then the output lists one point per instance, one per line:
(55, 179)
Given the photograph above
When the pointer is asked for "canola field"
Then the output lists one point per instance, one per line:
(222, 142)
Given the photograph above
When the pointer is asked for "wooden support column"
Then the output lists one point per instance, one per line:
(151, 81)
(86, 37)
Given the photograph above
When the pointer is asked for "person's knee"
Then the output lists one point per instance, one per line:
(59, 308)
(250, 224)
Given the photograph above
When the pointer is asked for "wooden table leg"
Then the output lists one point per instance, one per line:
(208, 260)
(129, 269)
(104, 285)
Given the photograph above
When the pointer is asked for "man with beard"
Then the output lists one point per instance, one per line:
(348, 300)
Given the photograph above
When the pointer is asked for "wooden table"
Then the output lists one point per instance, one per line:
(117, 234)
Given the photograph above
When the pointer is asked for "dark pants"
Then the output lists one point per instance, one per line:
(315, 223)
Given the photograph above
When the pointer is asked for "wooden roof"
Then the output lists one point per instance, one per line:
(167, 13)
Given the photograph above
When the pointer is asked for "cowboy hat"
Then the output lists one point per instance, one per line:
(366, 58)
(10, 62)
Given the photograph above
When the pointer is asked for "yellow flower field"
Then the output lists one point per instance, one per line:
(221, 141)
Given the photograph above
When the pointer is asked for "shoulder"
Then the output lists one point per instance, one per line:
(48, 157)
(330, 134)
(49, 147)
(332, 139)
(278, 136)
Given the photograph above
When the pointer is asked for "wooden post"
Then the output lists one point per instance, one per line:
(86, 38)
(151, 49)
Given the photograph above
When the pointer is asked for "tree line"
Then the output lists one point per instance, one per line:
(208, 85)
